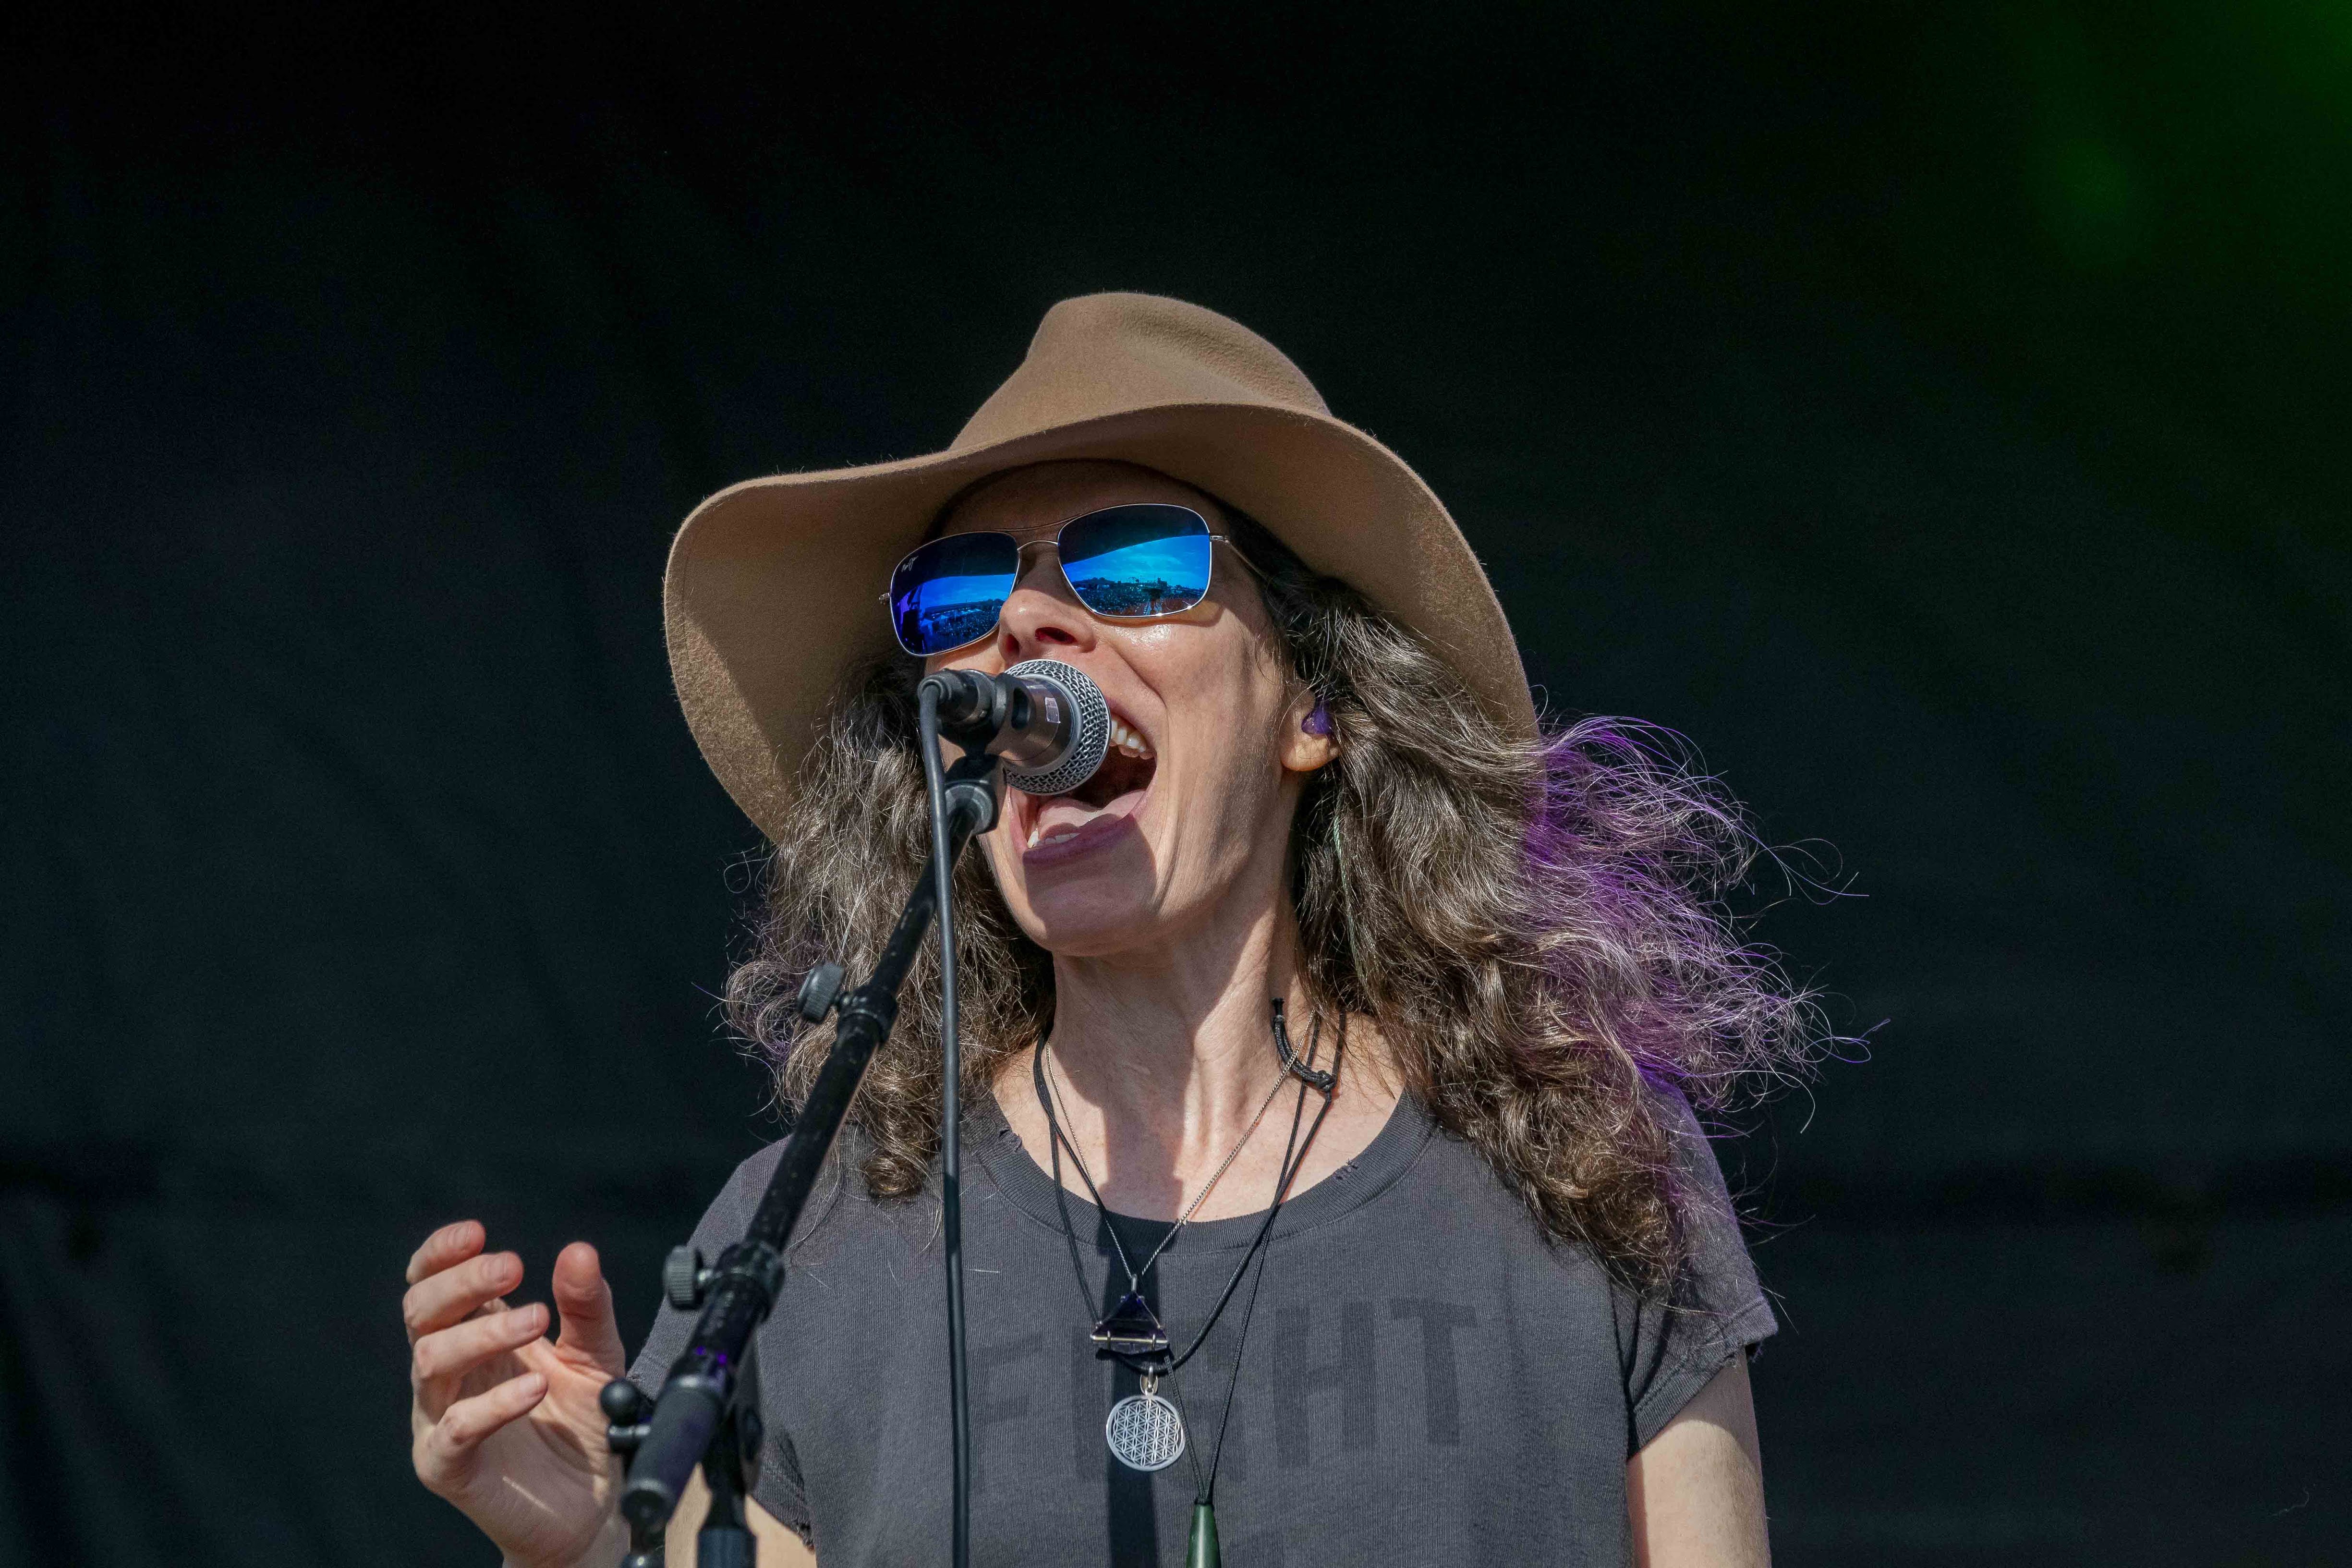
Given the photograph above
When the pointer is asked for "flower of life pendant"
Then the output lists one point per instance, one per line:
(1144, 1431)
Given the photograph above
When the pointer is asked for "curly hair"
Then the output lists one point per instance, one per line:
(1536, 928)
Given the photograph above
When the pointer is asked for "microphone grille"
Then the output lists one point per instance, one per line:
(1089, 730)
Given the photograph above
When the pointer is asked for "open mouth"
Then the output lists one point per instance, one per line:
(1059, 826)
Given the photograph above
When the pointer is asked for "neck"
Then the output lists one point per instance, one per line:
(1185, 1027)
(1164, 1059)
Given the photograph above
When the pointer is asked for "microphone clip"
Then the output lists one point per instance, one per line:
(975, 709)
(975, 788)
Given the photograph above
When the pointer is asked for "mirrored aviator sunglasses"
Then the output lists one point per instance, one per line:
(1123, 564)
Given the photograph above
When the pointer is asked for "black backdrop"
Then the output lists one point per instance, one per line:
(1936, 411)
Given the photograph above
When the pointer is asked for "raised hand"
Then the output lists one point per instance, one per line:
(504, 1422)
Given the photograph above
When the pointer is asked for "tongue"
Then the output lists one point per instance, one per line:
(1062, 813)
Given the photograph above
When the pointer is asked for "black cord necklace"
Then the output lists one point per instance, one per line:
(1144, 1431)
(1133, 1329)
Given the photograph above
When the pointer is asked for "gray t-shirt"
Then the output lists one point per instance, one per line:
(1424, 1377)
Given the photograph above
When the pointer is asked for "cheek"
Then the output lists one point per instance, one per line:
(1226, 781)
(1223, 717)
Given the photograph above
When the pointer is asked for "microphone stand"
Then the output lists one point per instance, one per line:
(709, 1411)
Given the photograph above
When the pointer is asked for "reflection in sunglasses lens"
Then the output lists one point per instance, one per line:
(949, 592)
(1138, 560)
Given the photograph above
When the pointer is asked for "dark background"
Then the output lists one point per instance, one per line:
(1936, 411)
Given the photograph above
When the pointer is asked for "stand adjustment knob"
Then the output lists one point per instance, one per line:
(623, 1402)
(820, 988)
(626, 1408)
(685, 1277)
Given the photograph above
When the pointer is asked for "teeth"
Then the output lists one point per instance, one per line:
(1124, 741)
(1127, 742)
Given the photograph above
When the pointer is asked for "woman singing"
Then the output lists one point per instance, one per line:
(1331, 1190)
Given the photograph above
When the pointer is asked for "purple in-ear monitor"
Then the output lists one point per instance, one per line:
(1318, 723)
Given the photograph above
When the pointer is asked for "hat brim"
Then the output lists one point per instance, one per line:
(773, 591)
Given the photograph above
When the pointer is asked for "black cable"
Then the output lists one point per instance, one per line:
(1204, 1485)
(951, 1120)
(1205, 1488)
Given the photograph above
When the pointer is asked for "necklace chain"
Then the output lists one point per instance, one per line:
(1134, 1274)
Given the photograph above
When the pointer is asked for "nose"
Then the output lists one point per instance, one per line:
(1041, 619)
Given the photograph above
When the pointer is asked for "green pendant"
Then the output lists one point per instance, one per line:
(1203, 1553)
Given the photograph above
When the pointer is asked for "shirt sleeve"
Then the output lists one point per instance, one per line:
(1671, 1348)
(778, 1488)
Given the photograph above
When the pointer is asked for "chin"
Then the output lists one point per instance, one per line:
(1098, 897)
(1093, 936)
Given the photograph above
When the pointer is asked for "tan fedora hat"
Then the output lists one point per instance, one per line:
(775, 584)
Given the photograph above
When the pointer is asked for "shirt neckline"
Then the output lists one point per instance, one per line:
(1032, 1190)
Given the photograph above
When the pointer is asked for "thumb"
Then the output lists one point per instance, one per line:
(583, 1304)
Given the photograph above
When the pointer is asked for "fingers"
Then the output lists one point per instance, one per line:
(450, 1354)
(441, 1457)
(585, 1302)
(448, 1297)
(450, 1244)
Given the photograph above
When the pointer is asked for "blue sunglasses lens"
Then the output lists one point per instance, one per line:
(949, 592)
(1138, 560)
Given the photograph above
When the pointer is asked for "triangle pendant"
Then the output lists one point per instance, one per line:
(1132, 1329)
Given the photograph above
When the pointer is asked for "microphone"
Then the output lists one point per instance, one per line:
(1044, 718)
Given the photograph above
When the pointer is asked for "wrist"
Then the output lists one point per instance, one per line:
(610, 1545)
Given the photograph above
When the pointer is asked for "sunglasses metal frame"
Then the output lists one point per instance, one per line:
(1021, 554)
